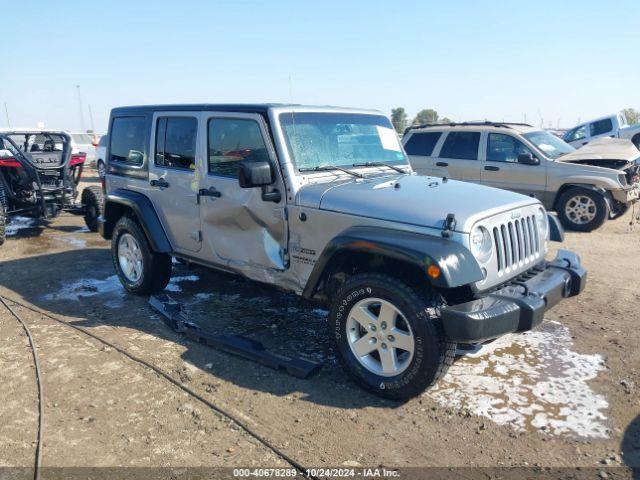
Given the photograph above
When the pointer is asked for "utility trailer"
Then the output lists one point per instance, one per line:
(39, 177)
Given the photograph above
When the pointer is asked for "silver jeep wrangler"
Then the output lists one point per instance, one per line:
(323, 202)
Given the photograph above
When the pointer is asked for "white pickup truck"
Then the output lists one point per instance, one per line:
(614, 126)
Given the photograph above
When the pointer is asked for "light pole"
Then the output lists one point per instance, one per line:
(80, 109)
(6, 112)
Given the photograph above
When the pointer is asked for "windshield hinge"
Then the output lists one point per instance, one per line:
(449, 225)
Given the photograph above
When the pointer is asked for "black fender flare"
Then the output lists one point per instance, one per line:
(144, 212)
(457, 265)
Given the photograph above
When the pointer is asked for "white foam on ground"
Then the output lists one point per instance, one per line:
(73, 241)
(89, 287)
(19, 223)
(530, 381)
(173, 285)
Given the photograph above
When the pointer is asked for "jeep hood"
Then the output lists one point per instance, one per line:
(606, 152)
(412, 199)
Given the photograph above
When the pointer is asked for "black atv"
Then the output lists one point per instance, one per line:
(39, 178)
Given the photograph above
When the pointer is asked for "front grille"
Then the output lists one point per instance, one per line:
(517, 243)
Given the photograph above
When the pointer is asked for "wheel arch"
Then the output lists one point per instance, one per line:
(383, 250)
(586, 186)
(123, 202)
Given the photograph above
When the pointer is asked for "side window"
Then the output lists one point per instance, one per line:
(176, 142)
(505, 148)
(577, 134)
(231, 140)
(601, 127)
(127, 140)
(422, 143)
(463, 145)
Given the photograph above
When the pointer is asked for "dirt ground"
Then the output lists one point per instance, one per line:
(565, 395)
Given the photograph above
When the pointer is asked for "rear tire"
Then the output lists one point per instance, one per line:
(582, 210)
(363, 348)
(93, 200)
(140, 270)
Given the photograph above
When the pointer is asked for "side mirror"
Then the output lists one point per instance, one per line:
(528, 159)
(254, 174)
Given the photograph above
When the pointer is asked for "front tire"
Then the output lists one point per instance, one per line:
(582, 209)
(388, 337)
(140, 270)
(92, 199)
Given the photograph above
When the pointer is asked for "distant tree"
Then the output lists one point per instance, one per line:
(399, 119)
(445, 120)
(633, 115)
(425, 116)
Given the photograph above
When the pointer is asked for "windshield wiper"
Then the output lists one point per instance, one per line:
(328, 168)
(379, 164)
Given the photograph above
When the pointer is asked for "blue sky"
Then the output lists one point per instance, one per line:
(552, 60)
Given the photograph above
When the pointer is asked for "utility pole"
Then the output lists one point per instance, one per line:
(80, 109)
(6, 112)
(93, 130)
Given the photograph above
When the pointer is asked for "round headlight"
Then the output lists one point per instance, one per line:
(481, 244)
(543, 222)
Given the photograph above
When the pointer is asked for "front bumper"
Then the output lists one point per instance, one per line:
(520, 305)
(627, 196)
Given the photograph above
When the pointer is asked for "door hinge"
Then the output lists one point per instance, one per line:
(196, 235)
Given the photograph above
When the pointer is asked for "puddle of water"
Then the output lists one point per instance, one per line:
(19, 223)
(531, 381)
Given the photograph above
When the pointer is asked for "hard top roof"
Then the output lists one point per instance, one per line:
(259, 108)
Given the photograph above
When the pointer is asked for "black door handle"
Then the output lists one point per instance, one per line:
(442, 164)
(209, 192)
(161, 182)
(491, 168)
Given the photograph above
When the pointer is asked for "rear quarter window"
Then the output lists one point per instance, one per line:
(127, 140)
(422, 143)
(462, 145)
(601, 127)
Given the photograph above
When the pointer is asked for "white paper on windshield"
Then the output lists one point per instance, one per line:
(546, 148)
(388, 138)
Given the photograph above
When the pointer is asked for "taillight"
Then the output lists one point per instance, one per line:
(9, 162)
(77, 159)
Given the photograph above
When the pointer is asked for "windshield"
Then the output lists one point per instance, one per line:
(550, 145)
(340, 139)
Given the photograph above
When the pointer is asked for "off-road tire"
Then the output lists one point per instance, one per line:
(156, 267)
(93, 201)
(602, 209)
(433, 353)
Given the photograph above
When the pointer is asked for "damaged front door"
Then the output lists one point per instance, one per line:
(242, 228)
